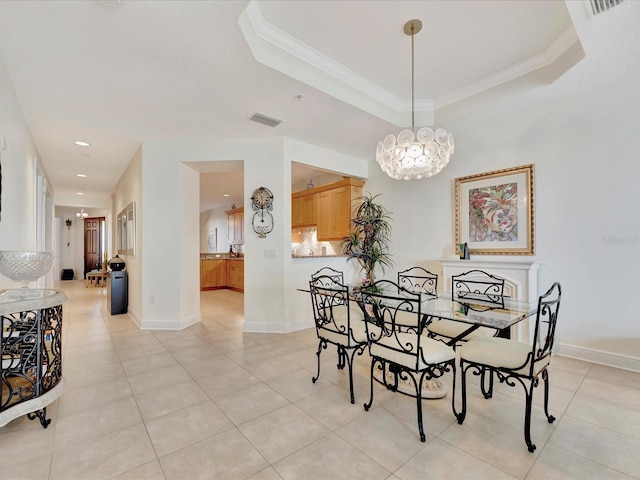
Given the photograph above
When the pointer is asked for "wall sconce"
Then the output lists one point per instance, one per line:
(82, 214)
(68, 222)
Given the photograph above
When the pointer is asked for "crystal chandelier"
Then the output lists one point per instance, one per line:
(82, 214)
(414, 155)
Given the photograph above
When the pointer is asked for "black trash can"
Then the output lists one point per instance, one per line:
(117, 292)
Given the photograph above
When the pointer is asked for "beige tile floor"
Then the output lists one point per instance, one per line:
(213, 402)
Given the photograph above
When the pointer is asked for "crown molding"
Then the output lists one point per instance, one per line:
(287, 43)
(550, 55)
(277, 49)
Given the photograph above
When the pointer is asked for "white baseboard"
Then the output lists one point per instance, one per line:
(135, 317)
(170, 325)
(617, 360)
(190, 320)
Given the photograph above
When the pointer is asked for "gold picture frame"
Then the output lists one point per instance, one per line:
(494, 212)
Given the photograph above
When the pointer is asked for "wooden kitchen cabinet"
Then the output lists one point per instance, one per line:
(329, 208)
(323, 215)
(236, 274)
(303, 209)
(235, 224)
(334, 209)
(222, 273)
(296, 211)
(214, 273)
(207, 274)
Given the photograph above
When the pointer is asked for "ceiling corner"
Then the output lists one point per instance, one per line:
(278, 50)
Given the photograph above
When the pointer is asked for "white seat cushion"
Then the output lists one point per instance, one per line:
(393, 349)
(407, 319)
(332, 331)
(501, 352)
(452, 329)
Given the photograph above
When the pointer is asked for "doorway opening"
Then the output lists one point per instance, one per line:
(94, 243)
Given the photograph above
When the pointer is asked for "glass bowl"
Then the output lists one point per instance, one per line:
(25, 267)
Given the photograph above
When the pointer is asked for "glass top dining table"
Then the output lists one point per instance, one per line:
(476, 310)
(493, 311)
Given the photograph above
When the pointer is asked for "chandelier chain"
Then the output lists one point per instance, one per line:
(410, 154)
(413, 108)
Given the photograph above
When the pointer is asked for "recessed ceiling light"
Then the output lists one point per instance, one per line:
(79, 193)
(81, 143)
(81, 175)
(226, 195)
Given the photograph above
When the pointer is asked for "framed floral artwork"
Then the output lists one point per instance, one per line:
(494, 212)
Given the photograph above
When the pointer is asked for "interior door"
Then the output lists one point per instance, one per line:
(92, 250)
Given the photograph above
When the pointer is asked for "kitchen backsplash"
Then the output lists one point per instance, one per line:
(304, 242)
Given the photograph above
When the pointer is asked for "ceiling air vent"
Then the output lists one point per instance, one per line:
(599, 6)
(265, 119)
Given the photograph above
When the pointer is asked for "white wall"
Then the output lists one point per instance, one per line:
(209, 222)
(65, 207)
(170, 286)
(581, 133)
(189, 251)
(177, 302)
(297, 310)
(129, 189)
(585, 197)
(19, 160)
(71, 246)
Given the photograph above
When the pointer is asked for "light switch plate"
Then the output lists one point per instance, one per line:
(270, 254)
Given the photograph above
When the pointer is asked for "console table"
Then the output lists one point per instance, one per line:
(31, 347)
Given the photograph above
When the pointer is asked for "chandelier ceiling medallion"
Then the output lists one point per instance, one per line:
(414, 155)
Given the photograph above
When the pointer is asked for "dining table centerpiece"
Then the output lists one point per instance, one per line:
(369, 239)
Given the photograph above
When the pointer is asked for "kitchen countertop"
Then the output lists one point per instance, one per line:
(318, 256)
(226, 256)
(220, 256)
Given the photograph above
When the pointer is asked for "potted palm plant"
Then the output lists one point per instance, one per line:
(368, 241)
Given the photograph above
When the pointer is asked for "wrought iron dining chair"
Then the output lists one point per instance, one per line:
(514, 361)
(467, 287)
(418, 279)
(337, 323)
(477, 284)
(337, 275)
(397, 353)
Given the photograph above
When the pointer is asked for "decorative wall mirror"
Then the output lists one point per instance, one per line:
(126, 230)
